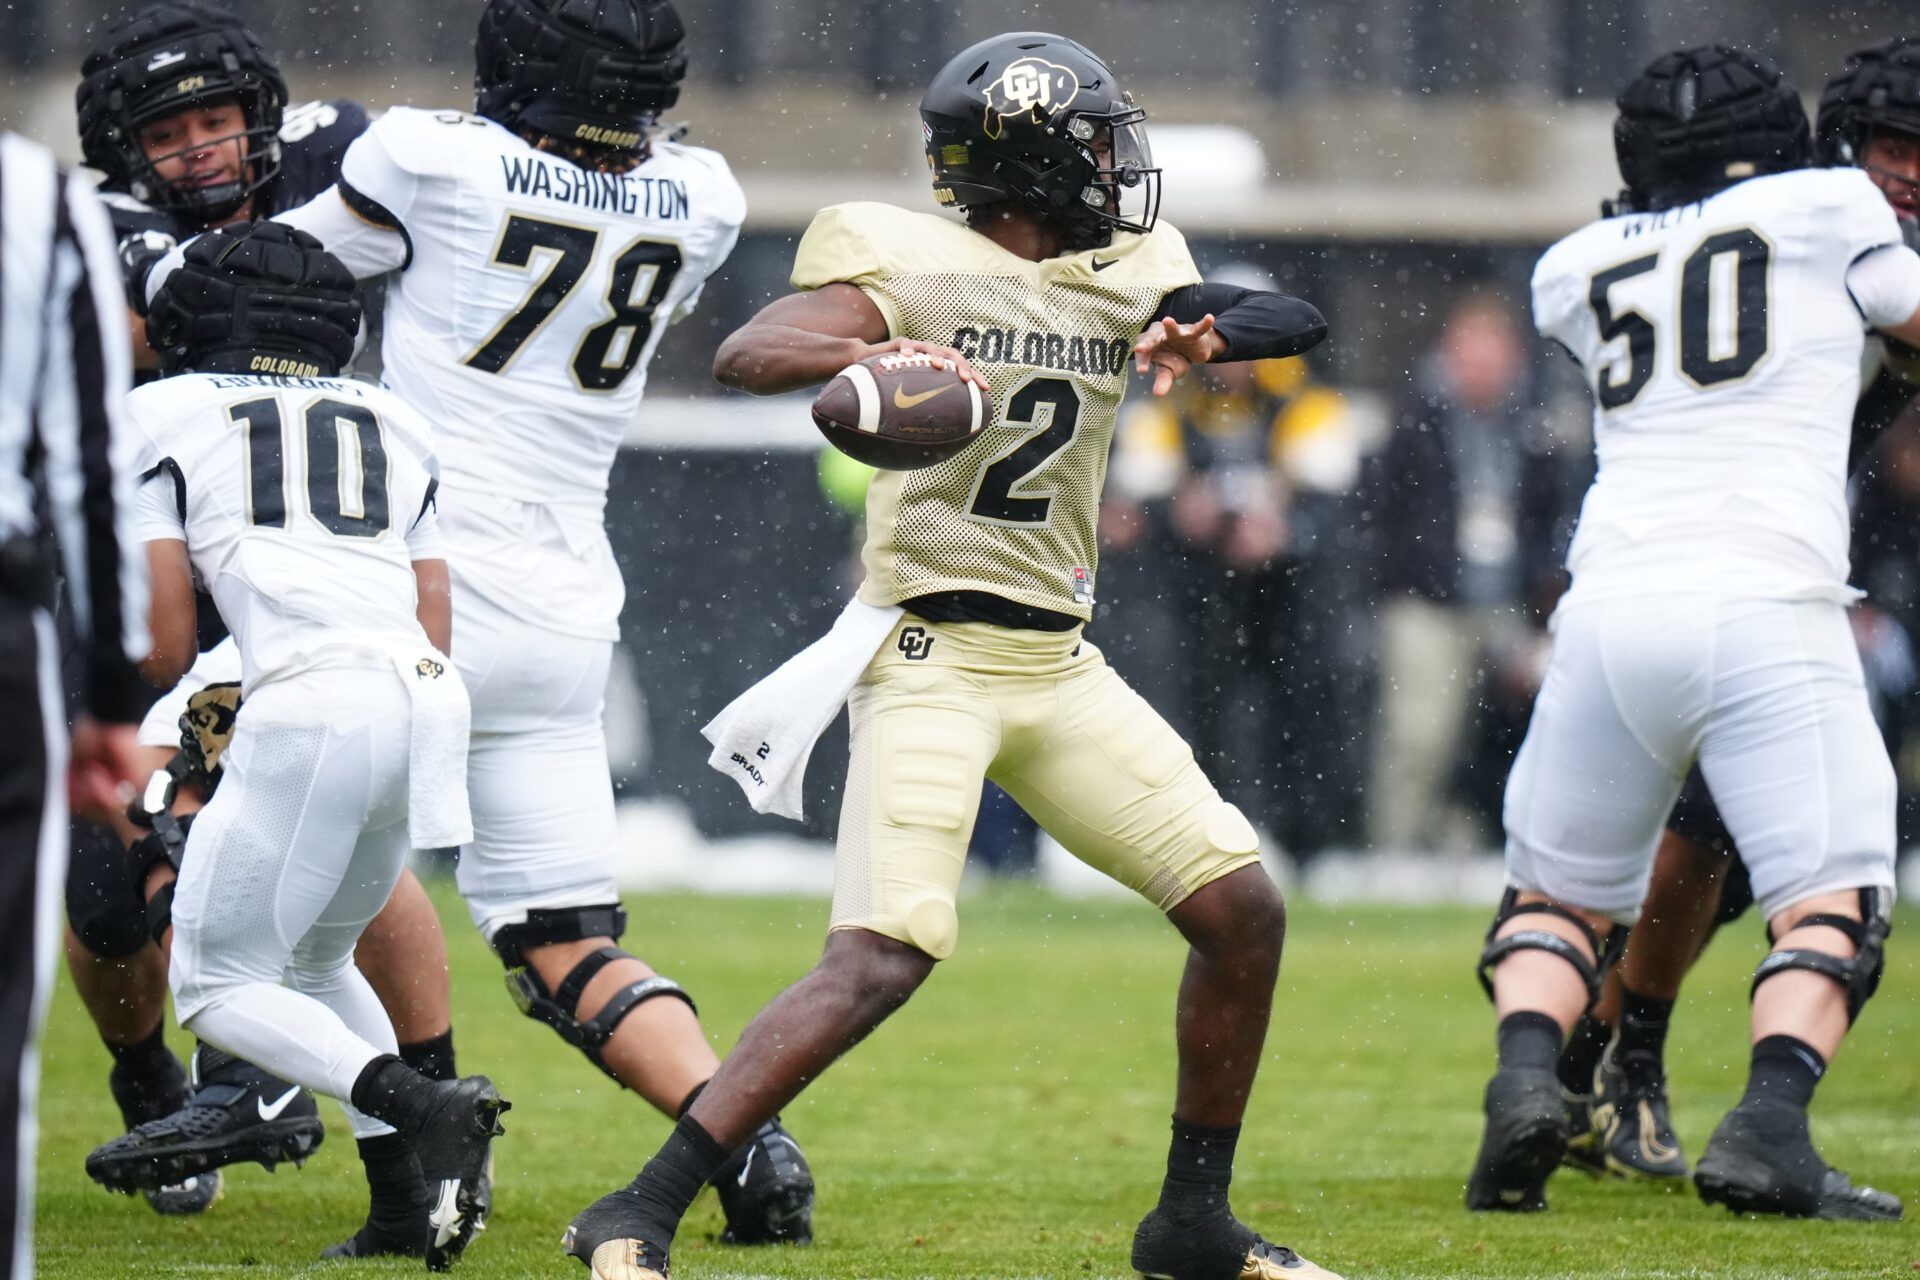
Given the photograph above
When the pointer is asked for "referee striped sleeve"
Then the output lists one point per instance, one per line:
(86, 448)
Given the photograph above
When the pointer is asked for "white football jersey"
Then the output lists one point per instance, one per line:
(1724, 351)
(534, 294)
(303, 503)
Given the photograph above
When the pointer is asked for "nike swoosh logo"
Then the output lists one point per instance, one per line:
(747, 1168)
(901, 400)
(1102, 266)
(271, 1111)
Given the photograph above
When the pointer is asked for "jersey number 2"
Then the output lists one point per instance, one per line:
(638, 282)
(1724, 331)
(346, 457)
(1051, 407)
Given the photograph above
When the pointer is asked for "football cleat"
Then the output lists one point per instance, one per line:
(766, 1191)
(374, 1242)
(454, 1142)
(606, 1237)
(149, 1098)
(1583, 1140)
(1222, 1248)
(183, 1199)
(1631, 1120)
(1761, 1160)
(1526, 1136)
(236, 1113)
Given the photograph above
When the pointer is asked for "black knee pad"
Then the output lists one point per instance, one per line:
(1859, 975)
(559, 1008)
(1592, 972)
(104, 900)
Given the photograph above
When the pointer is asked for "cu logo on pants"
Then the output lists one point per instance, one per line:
(915, 643)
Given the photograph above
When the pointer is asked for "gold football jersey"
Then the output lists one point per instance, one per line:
(1015, 512)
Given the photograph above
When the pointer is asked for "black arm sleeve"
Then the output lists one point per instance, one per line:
(1255, 325)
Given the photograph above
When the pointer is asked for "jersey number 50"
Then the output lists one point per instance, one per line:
(607, 352)
(1729, 272)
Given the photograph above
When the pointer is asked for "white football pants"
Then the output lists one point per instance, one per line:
(299, 848)
(1767, 695)
(537, 774)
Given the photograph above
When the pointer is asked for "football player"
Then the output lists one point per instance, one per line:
(306, 504)
(538, 248)
(1722, 315)
(185, 115)
(1869, 117)
(1042, 295)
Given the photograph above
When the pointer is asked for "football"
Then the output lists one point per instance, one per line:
(900, 411)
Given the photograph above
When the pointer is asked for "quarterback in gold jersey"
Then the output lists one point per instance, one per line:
(981, 573)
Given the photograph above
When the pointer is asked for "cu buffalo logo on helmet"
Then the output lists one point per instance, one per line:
(1025, 85)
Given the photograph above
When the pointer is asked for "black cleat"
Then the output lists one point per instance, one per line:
(1214, 1248)
(236, 1113)
(371, 1241)
(1583, 1140)
(150, 1097)
(608, 1237)
(1632, 1120)
(766, 1191)
(1526, 1136)
(453, 1143)
(1761, 1160)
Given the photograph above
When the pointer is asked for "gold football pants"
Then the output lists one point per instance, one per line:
(944, 705)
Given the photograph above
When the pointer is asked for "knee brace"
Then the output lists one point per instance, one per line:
(1592, 972)
(559, 1008)
(1858, 976)
(165, 843)
(104, 903)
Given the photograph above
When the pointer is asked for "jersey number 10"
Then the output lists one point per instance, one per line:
(607, 352)
(344, 443)
(1742, 261)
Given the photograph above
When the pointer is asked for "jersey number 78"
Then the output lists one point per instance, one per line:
(607, 352)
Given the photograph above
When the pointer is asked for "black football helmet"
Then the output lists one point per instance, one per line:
(164, 58)
(1879, 89)
(257, 297)
(1040, 120)
(598, 72)
(1698, 120)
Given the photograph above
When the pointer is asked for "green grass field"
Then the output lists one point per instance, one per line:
(1011, 1122)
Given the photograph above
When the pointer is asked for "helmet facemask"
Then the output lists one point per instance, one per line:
(260, 159)
(1090, 174)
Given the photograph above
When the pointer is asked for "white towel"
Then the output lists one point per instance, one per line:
(765, 736)
(437, 811)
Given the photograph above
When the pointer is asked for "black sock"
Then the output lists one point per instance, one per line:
(672, 1179)
(1199, 1170)
(388, 1089)
(1785, 1071)
(1582, 1054)
(397, 1192)
(146, 1057)
(432, 1058)
(686, 1103)
(147, 1081)
(1529, 1039)
(1643, 1024)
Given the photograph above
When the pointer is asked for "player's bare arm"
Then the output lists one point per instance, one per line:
(435, 610)
(174, 641)
(803, 339)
